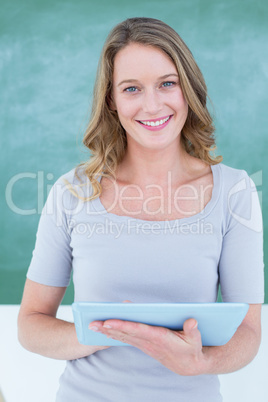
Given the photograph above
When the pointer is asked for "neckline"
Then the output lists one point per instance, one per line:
(216, 172)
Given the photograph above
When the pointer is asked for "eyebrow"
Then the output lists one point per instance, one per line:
(134, 80)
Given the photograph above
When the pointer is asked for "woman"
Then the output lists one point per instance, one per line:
(151, 217)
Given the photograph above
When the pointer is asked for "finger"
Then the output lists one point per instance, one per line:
(189, 325)
(95, 325)
(127, 301)
(129, 327)
(191, 332)
(138, 330)
(134, 334)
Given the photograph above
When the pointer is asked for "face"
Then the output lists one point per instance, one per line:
(148, 98)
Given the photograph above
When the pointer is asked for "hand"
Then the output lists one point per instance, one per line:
(179, 351)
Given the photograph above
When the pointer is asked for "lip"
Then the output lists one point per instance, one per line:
(156, 128)
(159, 118)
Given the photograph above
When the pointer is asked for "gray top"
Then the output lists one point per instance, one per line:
(114, 258)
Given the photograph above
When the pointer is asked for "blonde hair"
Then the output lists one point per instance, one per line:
(106, 138)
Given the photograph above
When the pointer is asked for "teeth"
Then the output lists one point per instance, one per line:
(155, 123)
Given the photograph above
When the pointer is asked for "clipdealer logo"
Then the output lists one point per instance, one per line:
(131, 226)
(42, 189)
(41, 184)
(253, 220)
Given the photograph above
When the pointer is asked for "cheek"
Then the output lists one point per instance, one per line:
(180, 104)
(175, 100)
(126, 110)
(180, 98)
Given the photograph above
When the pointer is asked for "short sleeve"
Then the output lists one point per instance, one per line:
(51, 262)
(241, 267)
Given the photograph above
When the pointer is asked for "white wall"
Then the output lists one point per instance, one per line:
(26, 377)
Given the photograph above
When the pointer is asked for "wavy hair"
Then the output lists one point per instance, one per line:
(106, 138)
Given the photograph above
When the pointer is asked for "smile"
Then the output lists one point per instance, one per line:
(155, 123)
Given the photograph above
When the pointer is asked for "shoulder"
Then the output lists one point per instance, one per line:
(236, 182)
(76, 181)
(69, 189)
(74, 176)
(234, 179)
(230, 174)
(241, 197)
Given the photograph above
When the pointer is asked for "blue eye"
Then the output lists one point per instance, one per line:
(130, 89)
(168, 83)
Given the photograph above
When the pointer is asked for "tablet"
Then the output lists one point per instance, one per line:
(217, 322)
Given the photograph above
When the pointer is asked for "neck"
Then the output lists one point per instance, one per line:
(145, 166)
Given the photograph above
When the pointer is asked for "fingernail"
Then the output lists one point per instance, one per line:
(107, 326)
(93, 328)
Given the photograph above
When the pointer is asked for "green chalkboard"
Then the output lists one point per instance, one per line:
(48, 57)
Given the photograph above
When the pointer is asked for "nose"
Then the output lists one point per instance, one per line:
(152, 104)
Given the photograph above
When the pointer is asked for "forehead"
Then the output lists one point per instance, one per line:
(137, 60)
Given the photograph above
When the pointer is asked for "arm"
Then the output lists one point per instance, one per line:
(241, 349)
(39, 330)
(182, 352)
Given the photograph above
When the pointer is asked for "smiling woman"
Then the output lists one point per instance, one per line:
(151, 217)
(137, 46)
